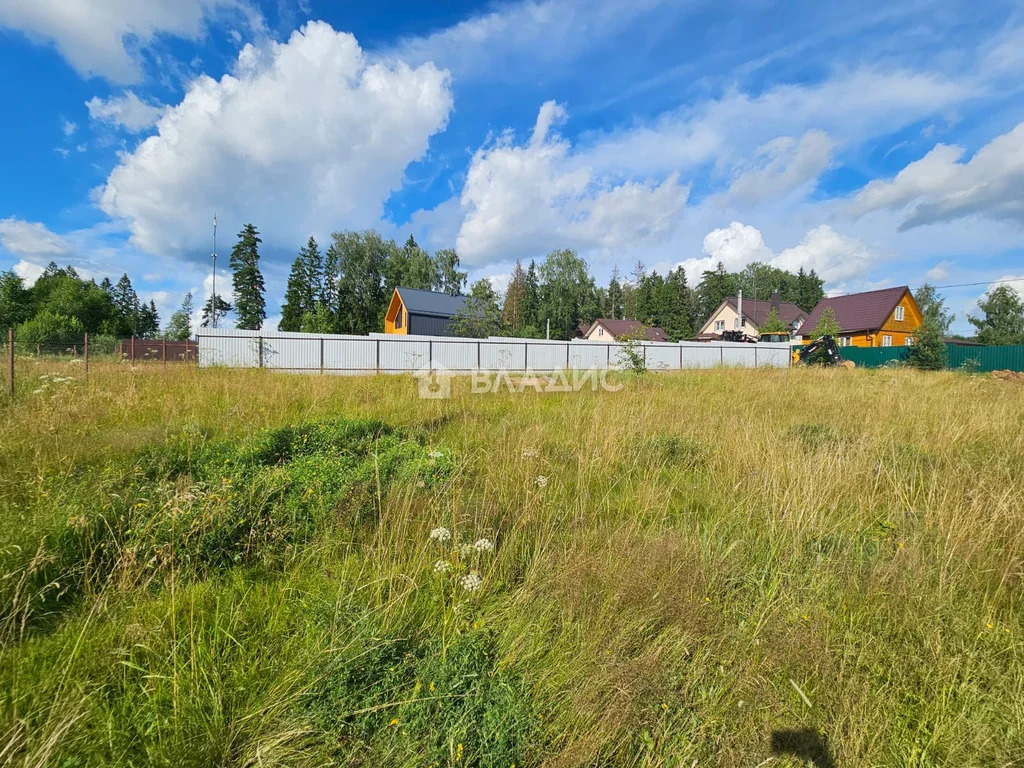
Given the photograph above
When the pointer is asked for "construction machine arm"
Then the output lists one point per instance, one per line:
(823, 351)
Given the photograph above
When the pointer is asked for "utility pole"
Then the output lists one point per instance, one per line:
(213, 299)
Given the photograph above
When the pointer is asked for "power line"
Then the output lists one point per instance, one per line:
(955, 285)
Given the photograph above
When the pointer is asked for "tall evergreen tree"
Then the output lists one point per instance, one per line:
(531, 300)
(247, 280)
(126, 303)
(715, 285)
(314, 262)
(676, 306)
(614, 296)
(296, 295)
(179, 327)
(809, 290)
(452, 279)
(147, 324)
(222, 307)
(515, 299)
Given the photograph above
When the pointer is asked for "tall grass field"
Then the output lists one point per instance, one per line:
(704, 568)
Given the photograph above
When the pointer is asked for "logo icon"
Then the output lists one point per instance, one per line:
(435, 383)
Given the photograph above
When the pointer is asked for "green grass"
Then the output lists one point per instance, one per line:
(235, 568)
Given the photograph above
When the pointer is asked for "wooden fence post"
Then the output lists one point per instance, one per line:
(10, 361)
(85, 356)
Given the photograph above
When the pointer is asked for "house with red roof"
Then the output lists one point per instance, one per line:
(885, 318)
(607, 330)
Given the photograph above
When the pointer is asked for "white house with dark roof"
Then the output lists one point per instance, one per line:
(755, 312)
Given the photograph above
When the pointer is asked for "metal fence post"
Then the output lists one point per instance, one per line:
(644, 348)
(133, 350)
(321, 355)
(85, 356)
(567, 355)
(526, 356)
(478, 344)
(755, 355)
(260, 351)
(721, 355)
(163, 353)
(377, 364)
(10, 361)
(430, 355)
(680, 357)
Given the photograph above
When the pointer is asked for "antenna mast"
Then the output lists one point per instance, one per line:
(213, 298)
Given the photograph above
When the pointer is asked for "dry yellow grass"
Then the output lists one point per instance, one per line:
(711, 551)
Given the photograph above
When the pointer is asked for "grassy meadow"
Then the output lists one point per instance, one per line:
(242, 568)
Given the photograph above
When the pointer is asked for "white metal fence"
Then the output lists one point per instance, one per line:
(383, 353)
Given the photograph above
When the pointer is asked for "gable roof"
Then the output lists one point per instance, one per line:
(619, 328)
(865, 311)
(757, 310)
(421, 302)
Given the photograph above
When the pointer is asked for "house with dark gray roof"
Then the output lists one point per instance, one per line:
(415, 312)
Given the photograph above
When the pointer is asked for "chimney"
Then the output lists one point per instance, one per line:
(775, 302)
(739, 306)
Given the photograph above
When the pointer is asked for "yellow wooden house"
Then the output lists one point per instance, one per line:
(885, 318)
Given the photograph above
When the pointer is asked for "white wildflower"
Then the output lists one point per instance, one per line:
(530, 453)
(442, 566)
(542, 481)
(471, 582)
(466, 550)
(441, 534)
(436, 455)
(484, 545)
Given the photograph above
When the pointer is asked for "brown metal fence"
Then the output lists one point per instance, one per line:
(31, 366)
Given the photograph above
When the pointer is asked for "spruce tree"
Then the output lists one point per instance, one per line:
(247, 280)
(515, 297)
(531, 300)
(126, 305)
(296, 295)
(314, 273)
(928, 352)
(614, 309)
(179, 327)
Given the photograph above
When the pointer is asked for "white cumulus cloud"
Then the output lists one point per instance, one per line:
(31, 240)
(835, 257)
(127, 110)
(939, 187)
(304, 136)
(524, 200)
(103, 38)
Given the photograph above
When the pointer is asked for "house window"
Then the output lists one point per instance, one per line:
(600, 330)
(719, 325)
(887, 341)
(899, 314)
(845, 341)
(909, 341)
(398, 318)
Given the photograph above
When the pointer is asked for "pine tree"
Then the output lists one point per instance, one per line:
(452, 280)
(179, 327)
(247, 280)
(222, 308)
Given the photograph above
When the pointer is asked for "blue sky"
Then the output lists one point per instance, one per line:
(880, 145)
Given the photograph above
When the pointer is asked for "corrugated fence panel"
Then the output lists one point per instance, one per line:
(1009, 358)
(335, 353)
(873, 357)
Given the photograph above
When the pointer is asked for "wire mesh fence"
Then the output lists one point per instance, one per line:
(39, 365)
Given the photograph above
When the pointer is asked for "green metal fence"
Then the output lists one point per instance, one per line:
(987, 358)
